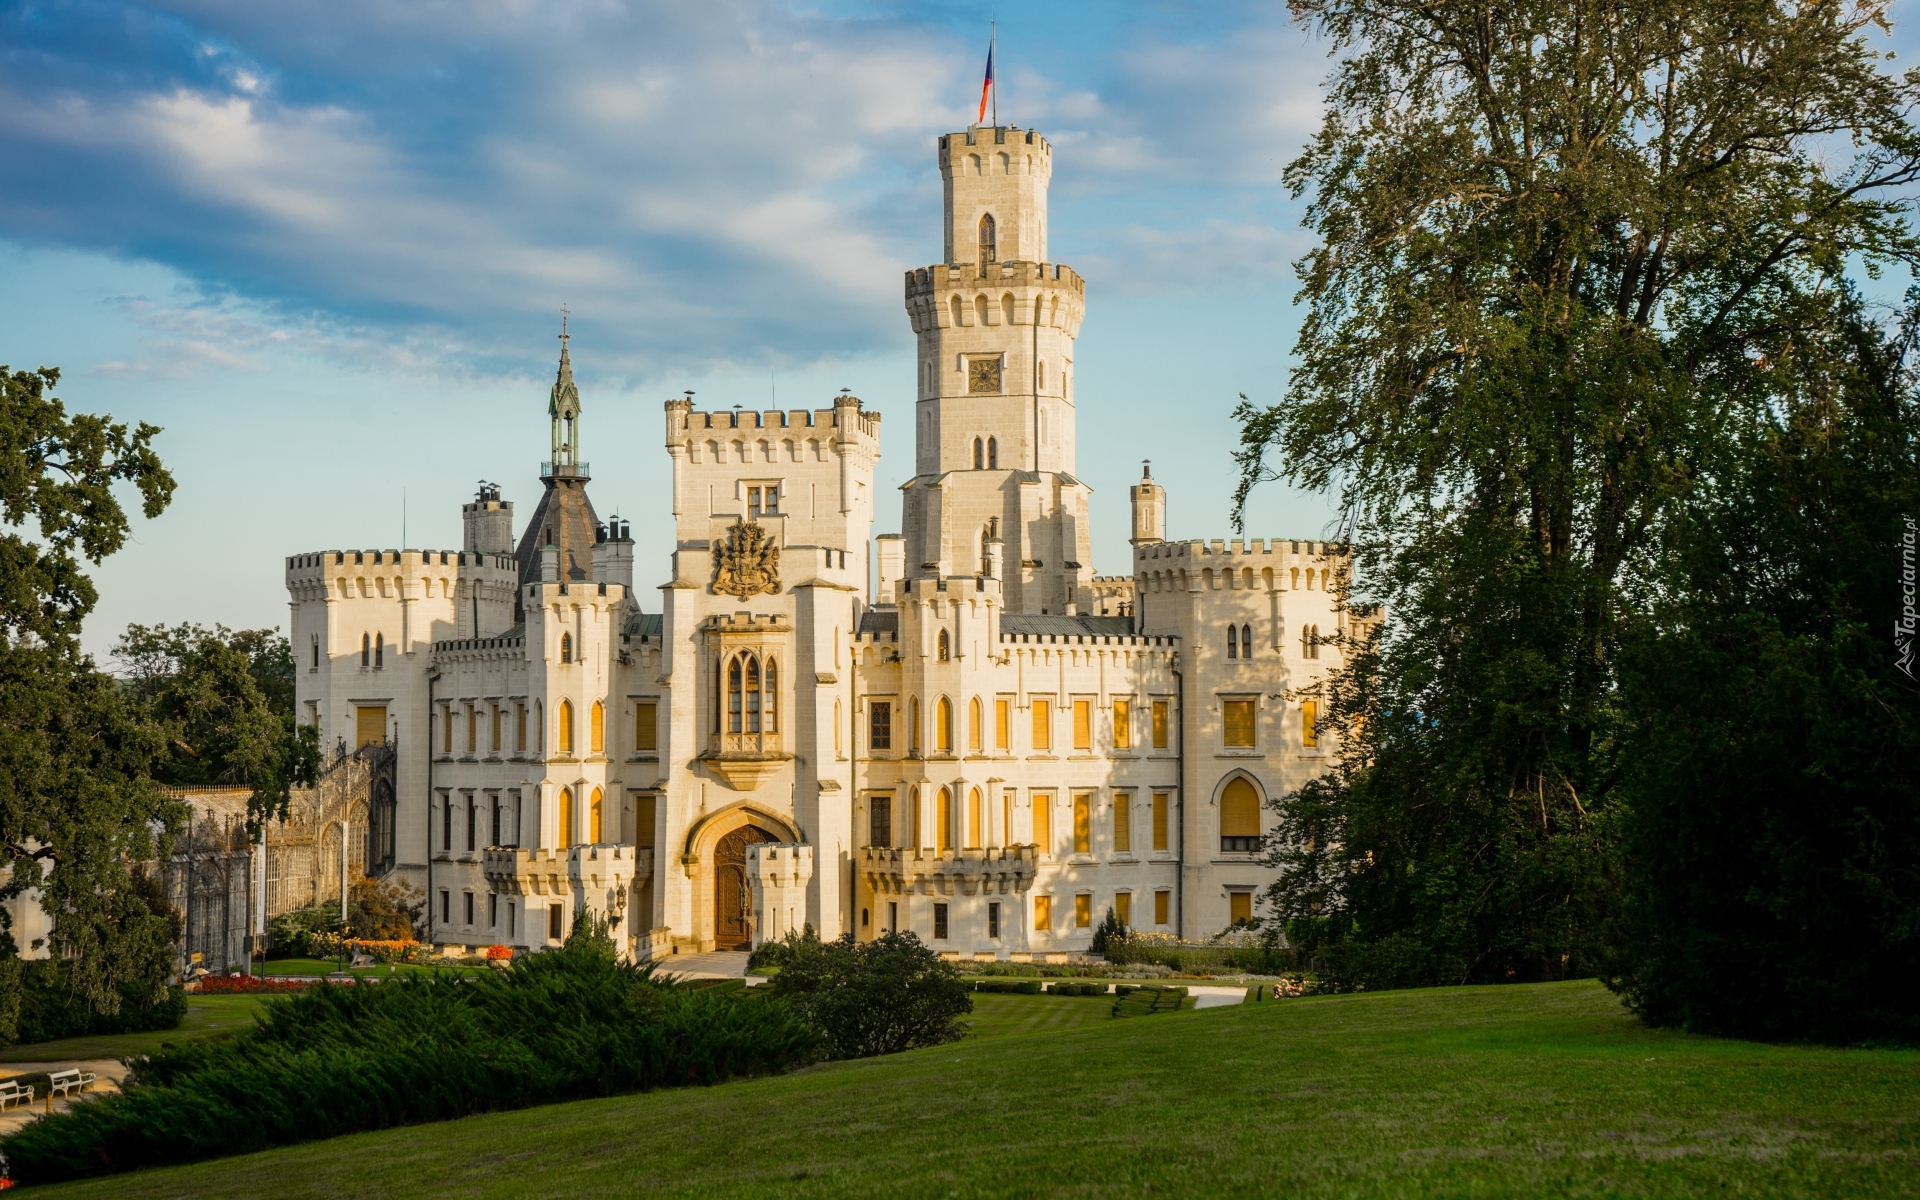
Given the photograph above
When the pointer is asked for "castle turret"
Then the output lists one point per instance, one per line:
(995, 417)
(1149, 508)
(564, 517)
(487, 522)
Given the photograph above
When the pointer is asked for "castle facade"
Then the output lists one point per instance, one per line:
(957, 729)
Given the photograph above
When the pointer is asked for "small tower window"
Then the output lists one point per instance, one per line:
(993, 454)
(566, 647)
(366, 650)
(989, 252)
(379, 649)
(1233, 642)
(1246, 641)
(315, 643)
(946, 646)
(979, 454)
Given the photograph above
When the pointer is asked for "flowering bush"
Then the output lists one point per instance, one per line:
(499, 952)
(239, 985)
(381, 950)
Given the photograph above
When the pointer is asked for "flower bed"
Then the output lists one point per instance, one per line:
(241, 985)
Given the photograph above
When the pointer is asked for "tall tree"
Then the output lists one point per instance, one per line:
(77, 800)
(202, 687)
(1562, 247)
(1772, 831)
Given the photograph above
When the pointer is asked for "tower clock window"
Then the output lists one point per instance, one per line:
(983, 375)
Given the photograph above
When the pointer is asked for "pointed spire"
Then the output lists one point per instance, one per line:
(563, 405)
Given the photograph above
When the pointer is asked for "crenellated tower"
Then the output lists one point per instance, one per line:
(995, 413)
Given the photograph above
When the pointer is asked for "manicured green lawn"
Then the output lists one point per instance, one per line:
(207, 1016)
(1002, 1016)
(1514, 1091)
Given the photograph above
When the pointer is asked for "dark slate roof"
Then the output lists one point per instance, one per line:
(881, 620)
(1064, 626)
(644, 624)
(565, 515)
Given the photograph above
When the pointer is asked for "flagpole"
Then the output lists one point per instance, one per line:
(993, 44)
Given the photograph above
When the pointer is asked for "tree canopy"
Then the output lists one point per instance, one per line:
(1567, 257)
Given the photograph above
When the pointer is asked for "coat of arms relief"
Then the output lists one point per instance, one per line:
(747, 562)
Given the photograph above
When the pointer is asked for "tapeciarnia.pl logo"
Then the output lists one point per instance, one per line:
(1903, 628)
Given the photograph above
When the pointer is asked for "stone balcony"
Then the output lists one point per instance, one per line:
(569, 872)
(992, 871)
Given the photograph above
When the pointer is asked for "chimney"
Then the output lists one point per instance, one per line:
(549, 564)
(613, 554)
(995, 556)
(892, 553)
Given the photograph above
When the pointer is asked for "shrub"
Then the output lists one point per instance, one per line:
(1110, 929)
(292, 932)
(1011, 987)
(877, 997)
(49, 1009)
(333, 1060)
(1078, 989)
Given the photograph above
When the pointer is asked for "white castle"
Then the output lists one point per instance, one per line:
(972, 736)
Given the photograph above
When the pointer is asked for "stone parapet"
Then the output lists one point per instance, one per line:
(995, 870)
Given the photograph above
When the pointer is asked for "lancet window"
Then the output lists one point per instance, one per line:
(752, 694)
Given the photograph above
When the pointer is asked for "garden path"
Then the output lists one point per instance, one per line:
(108, 1071)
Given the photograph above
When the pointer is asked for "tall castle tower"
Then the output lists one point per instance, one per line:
(995, 417)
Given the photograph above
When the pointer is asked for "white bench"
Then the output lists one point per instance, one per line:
(61, 1083)
(12, 1093)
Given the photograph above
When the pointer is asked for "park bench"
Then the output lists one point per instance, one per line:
(12, 1093)
(60, 1083)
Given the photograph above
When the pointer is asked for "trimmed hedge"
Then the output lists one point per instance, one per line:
(1012, 987)
(334, 1060)
(1077, 989)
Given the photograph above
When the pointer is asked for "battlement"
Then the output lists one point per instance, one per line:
(1238, 548)
(991, 135)
(746, 622)
(1086, 639)
(684, 419)
(454, 647)
(326, 560)
(943, 277)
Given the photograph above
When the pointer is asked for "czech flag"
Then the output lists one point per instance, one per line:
(986, 87)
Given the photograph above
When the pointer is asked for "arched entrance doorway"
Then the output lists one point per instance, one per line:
(732, 903)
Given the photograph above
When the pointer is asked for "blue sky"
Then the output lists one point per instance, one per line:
(325, 245)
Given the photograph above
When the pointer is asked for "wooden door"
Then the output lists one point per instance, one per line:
(732, 905)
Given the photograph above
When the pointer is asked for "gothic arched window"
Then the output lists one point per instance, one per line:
(597, 731)
(946, 646)
(943, 726)
(979, 454)
(366, 652)
(566, 817)
(1246, 641)
(989, 253)
(993, 454)
(1233, 642)
(735, 675)
(770, 705)
(566, 727)
(379, 649)
(596, 828)
(566, 647)
(975, 721)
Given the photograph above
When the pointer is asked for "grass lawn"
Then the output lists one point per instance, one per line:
(1512, 1091)
(207, 1016)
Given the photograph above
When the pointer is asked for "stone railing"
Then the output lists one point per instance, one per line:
(992, 871)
